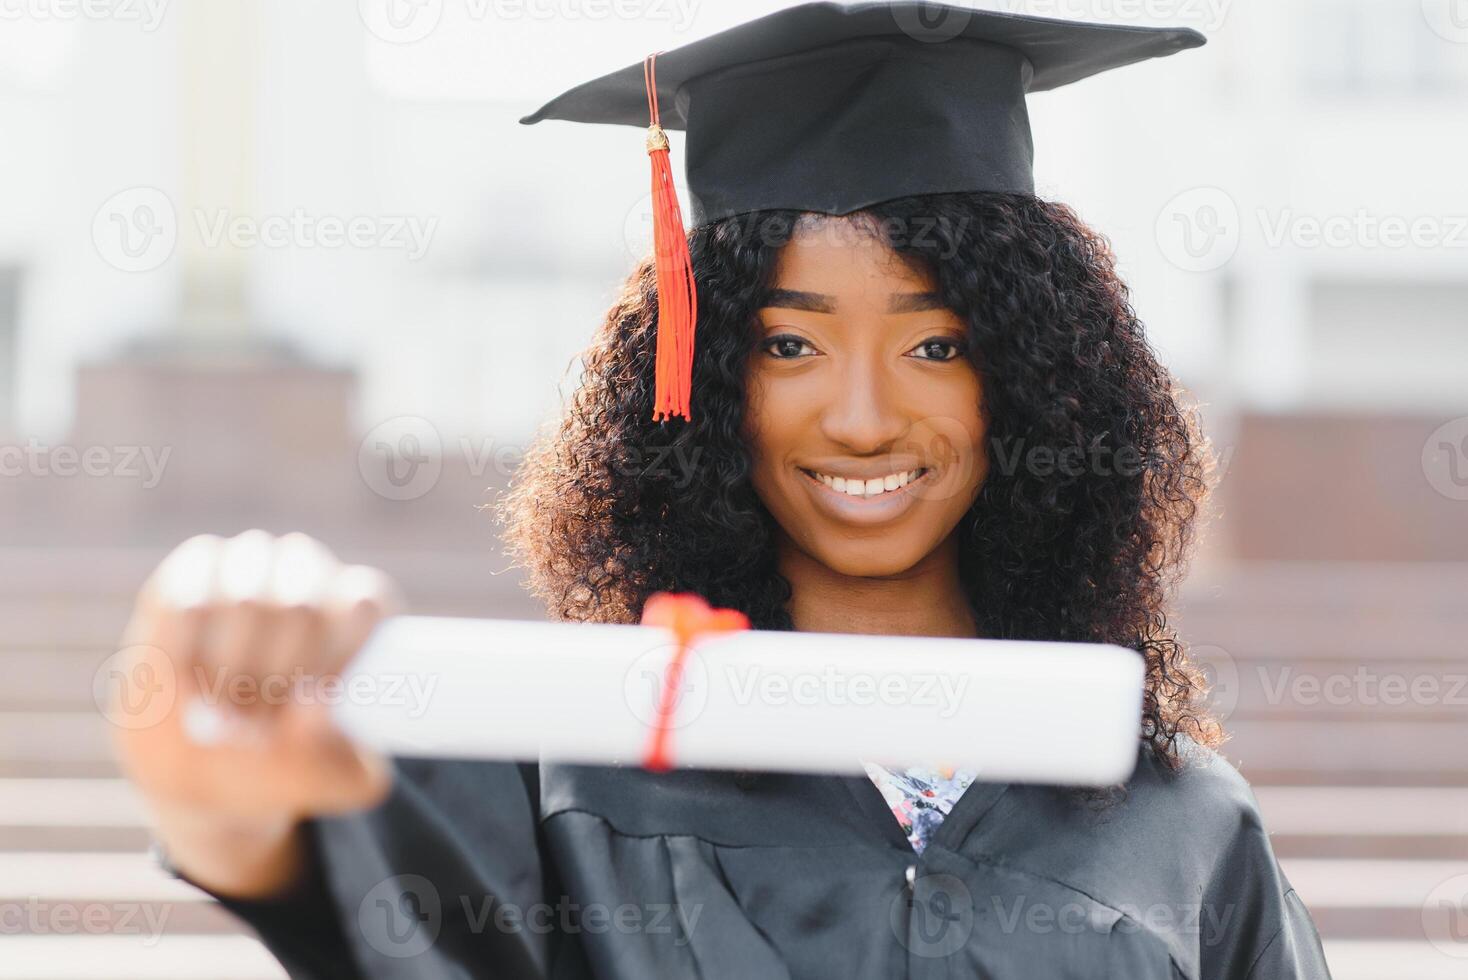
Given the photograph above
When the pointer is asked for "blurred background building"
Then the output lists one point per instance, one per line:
(296, 265)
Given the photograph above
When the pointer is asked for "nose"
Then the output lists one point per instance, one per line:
(862, 412)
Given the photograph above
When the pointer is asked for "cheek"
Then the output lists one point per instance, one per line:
(952, 427)
(762, 433)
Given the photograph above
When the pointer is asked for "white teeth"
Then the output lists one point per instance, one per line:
(869, 488)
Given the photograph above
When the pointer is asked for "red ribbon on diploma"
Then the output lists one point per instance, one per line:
(688, 616)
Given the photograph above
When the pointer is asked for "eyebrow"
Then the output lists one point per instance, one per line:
(794, 299)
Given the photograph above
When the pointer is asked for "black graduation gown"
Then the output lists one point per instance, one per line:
(476, 869)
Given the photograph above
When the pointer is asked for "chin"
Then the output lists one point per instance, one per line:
(872, 559)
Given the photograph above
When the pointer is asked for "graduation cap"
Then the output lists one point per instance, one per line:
(830, 108)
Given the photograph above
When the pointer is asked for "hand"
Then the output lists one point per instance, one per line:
(214, 720)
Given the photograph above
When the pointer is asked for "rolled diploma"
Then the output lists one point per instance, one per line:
(1019, 711)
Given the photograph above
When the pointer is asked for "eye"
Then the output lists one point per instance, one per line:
(938, 349)
(788, 347)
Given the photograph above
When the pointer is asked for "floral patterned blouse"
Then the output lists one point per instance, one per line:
(920, 796)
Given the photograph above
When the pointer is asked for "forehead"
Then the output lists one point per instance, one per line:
(829, 253)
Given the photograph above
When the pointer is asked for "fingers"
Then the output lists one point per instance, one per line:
(358, 599)
(300, 579)
(246, 628)
(167, 630)
(241, 617)
(244, 621)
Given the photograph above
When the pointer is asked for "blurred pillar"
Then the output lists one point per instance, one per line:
(219, 57)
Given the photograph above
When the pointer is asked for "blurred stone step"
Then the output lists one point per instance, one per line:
(1330, 586)
(1383, 899)
(477, 575)
(50, 678)
(93, 876)
(79, 956)
(1298, 636)
(1352, 959)
(105, 892)
(71, 815)
(36, 740)
(1365, 811)
(51, 622)
(1374, 822)
(1348, 752)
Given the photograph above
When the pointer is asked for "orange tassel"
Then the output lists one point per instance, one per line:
(689, 616)
(677, 293)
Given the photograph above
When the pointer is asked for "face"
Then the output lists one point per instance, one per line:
(864, 409)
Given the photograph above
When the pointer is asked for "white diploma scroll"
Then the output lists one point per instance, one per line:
(1059, 713)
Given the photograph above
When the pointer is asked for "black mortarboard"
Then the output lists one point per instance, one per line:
(832, 107)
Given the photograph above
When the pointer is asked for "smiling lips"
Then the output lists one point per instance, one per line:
(867, 488)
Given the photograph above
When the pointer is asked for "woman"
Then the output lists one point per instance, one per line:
(932, 415)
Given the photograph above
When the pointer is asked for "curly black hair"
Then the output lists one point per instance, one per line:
(1083, 523)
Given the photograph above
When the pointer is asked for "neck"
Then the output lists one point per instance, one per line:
(926, 600)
